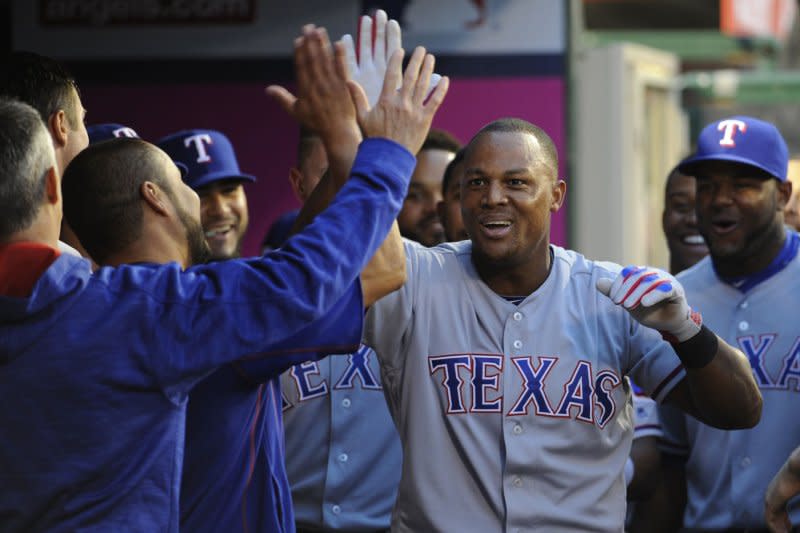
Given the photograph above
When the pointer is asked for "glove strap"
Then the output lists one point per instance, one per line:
(698, 351)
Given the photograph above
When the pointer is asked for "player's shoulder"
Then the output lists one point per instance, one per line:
(581, 267)
(443, 254)
(700, 274)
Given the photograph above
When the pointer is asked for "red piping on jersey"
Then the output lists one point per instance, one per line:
(21, 266)
(667, 380)
(252, 462)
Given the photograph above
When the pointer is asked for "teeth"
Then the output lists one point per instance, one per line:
(215, 232)
(497, 224)
(693, 239)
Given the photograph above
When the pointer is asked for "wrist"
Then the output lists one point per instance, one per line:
(343, 139)
(699, 350)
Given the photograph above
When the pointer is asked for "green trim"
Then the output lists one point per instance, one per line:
(751, 87)
(697, 45)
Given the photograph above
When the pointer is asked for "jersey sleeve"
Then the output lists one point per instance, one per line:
(388, 323)
(655, 366)
(337, 332)
(195, 320)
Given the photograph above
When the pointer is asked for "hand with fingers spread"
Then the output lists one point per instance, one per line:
(323, 103)
(368, 69)
(655, 299)
(403, 115)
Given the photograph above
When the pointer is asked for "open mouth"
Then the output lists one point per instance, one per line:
(496, 229)
(693, 240)
(218, 232)
(723, 226)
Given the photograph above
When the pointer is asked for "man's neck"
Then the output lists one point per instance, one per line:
(515, 280)
(755, 261)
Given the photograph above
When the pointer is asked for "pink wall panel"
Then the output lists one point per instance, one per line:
(265, 138)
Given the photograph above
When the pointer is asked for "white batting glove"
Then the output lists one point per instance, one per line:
(369, 68)
(655, 299)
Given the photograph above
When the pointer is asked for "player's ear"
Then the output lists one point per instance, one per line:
(784, 193)
(559, 193)
(155, 197)
(296, 179)
(57, 125)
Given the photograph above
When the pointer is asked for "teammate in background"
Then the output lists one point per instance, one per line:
(746, 289)
(679, 222)
(131, 340)
(45, 85)
(419, 220)
(449, 208)
(783, 487)
(312, 164)
(343, 454)
(686, 247)
(213, 172)
(791, 215)
(503, 359)
(104, 132)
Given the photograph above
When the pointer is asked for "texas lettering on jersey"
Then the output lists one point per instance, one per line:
(586, 395)
(306, 377)
(756, 349)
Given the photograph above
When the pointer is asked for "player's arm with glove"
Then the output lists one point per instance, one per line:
(373, 80)
(783, 487)
(719, 388)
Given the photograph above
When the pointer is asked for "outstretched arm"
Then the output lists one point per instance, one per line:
(378, 69)
(719, 388)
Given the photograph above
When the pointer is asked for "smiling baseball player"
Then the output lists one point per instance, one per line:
(504, 358)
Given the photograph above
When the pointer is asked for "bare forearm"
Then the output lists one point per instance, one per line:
(722, 393)
(341, 154)
(386, 271)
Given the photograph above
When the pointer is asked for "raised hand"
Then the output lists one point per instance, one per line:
(368, 68)
(403, 115)
(655, 299)
(323, 103)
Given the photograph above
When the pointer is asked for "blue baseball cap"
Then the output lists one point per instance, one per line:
(104, 132)
(208, 154)
(741, 139)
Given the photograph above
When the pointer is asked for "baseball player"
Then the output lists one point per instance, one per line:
(679, 222)
(312, 164)
(503, 359)
(419, 219)
(449, 208)
(104, 132)
(96, 368)
(342, 450)
(791, 215)
(745, 289)
(213, 172)
(45, 85)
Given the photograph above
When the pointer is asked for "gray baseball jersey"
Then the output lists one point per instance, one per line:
(342, 450)
(512, 417)
(727, 472)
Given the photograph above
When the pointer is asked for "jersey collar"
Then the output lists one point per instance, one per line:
(788, 252)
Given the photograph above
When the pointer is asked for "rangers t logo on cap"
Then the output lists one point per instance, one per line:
(730, 126)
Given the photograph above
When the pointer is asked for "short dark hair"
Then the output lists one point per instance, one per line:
(440, 140)
(41, 82)
(451, 167)
(102, 198)
(517, 125)
(26, 154)
(305, 144)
